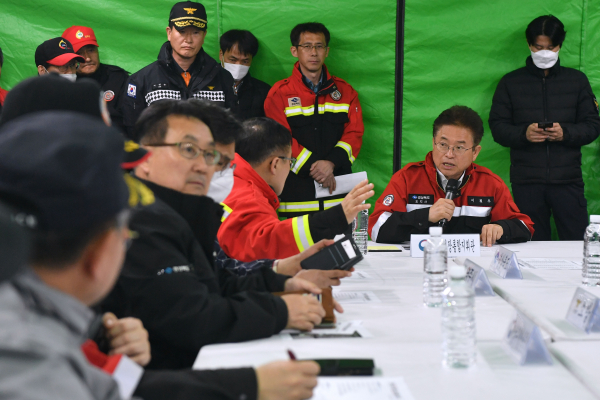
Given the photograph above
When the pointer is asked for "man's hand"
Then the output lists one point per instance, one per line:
(535, 134)
(555, 134)
(127, 336)
(490, 234)
(353, 202)
(287, 380)
(291, 265)
(323, 279)
(443, 208)
(295, 284)
(304, 311)
(329, 183)
(321, 170)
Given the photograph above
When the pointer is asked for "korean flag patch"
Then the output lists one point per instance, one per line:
(131, 90)
(388, 200)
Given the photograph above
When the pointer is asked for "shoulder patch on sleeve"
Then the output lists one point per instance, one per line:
(388, 200)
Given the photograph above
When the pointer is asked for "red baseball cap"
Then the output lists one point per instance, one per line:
(80, 36)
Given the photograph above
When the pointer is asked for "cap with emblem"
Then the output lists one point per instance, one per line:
(188, 13)
(80, 36)
(58, 51)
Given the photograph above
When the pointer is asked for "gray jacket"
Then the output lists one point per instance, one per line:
(41, 332)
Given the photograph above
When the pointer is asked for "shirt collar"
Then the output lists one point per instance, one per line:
(444, 180)
(312, 86)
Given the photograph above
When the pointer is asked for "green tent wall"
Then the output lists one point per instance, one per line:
(455, 52)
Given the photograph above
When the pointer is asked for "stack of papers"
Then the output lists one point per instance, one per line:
(549, 263)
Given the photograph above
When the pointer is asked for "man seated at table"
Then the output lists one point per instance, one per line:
(251, 229)
(415, 198)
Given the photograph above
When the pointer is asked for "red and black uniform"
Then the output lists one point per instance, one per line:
(403, 208)
(334, 133)
(251, 229)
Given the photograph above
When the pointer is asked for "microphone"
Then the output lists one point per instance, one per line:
(451, 193)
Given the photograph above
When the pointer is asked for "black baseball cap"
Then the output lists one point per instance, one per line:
(188, 13)
(57, 51)
(62, 170)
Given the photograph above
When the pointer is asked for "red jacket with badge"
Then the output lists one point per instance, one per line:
(251, 230)
(403, 208)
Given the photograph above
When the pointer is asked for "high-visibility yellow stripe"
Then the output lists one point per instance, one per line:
(302, 234)
(348, 148)
(331, 203)
(301, 160)
(323, 108)
(226, 211)
(299, 206)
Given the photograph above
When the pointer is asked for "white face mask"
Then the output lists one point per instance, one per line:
(71, 77)
(238, 71)
(221, 185)
(544, 59)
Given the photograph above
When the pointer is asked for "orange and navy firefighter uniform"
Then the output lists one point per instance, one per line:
(333, 133)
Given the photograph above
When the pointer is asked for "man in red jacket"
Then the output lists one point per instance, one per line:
(325, 141)
(415, 199)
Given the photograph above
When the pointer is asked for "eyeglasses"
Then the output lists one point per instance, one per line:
(63, 69)
(224, 163)
(191, 151)
(458, 150)
(292, 160)
(307, 48)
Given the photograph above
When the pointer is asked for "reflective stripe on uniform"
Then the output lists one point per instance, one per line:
(348, 148)
(323, 108)
(380, 221)
(331, 203)
(302, 232)
(299, 206)
(226, 211)
(472, 211)
(301, 160)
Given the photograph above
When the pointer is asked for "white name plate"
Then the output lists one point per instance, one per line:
(524, 342)
(477, 278)
(505, 264)
(584, 312)
(459, 245)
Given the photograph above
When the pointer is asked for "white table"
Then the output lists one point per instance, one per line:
(407, 337)
(582, 359)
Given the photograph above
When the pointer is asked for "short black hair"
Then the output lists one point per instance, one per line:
(261, 138)
(312, 27)
(225, 127)
(245, 40)
(152, 125)
(1, 58)
(461, 116)
(546, 25)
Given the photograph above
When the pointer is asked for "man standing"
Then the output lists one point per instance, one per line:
(57, 55)
(238, 49)
(111, 78)
(415, 199)
(545, 112)
(324, 115)
(183, 69)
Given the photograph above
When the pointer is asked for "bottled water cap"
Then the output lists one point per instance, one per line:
(594, 219)
(457, 271)
(435, 231)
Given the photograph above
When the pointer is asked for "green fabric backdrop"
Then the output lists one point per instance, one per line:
(456, 51)
(363, 47)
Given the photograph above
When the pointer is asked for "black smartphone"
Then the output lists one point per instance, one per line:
(544, 125)
(343, 254)
(346, 367)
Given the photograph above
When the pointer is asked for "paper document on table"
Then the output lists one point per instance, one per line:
(356, 297)
(549, 263)
(361, 388)
(359, 275)
(343, 185)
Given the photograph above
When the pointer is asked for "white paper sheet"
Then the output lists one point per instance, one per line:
(549, 263)
(343, 185)
(361, 297)
(361, 388)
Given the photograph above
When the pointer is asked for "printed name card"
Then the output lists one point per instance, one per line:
(458, 245)
(477, 278)
(505, 264)
(584, 312)
(524, 343)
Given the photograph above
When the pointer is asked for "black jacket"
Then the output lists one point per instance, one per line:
(112, 80)
(182, 300)
(251, 95)
(162, 80)
(526, 96)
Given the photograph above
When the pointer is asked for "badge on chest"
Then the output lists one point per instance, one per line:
(420, 199)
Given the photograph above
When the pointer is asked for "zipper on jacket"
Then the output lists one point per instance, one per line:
(544, 95)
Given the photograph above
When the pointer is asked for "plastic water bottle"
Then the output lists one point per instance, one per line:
(458, 321)
(435, 266)
(591, 252)
(360, 232)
